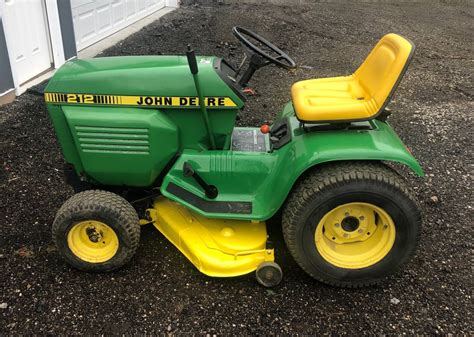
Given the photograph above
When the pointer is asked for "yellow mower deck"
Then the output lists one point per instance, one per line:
(222, 248)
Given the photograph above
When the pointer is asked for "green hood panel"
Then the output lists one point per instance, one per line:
(140, 76)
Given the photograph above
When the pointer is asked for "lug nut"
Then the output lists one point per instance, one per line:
(336, 225)
(361, 218)
(346, 235)
(347, 214)
(360, 231)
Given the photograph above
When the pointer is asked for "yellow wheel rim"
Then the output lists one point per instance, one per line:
(93, 241)
(355, 235)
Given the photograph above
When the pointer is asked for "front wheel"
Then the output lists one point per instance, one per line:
(351, 224)
(96, 231)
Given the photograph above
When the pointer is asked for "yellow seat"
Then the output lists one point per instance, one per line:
(360, 96)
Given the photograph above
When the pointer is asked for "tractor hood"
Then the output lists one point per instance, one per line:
(142, 80)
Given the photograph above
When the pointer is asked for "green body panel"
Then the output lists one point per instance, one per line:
(128, 146)
(165, 76)
(265, 179)
(141, 76)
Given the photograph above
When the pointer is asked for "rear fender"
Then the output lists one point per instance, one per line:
(380, 143)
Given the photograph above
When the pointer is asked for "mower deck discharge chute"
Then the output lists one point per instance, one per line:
(158, 133)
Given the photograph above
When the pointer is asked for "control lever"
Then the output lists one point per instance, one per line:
(210, 190)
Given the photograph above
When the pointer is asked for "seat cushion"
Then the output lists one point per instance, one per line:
(360, 96)
(331, 99)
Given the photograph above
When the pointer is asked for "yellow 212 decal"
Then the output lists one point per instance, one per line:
(161, 101)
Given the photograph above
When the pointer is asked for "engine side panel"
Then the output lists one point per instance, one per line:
(126, 146)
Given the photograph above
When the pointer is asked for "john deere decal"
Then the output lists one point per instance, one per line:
(158, 101)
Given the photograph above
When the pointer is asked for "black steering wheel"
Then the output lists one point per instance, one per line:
(281, 59)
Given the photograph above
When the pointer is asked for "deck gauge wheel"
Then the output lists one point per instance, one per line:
(269, 274)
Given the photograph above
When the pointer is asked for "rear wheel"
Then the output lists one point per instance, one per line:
(96, 231)
(351, 224)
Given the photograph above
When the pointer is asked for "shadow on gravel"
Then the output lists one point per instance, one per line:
(159, 291)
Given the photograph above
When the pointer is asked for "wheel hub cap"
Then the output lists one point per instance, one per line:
(93, 234)
(355, 235)
(92, 241)
(350, 224)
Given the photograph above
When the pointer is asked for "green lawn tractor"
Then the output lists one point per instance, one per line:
(152, 140)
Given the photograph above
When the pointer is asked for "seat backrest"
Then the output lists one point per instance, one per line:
(384, 68)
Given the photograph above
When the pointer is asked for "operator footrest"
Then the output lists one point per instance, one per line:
(216, 247)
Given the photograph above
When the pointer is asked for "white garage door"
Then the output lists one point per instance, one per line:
(94, 20)
(29, 43)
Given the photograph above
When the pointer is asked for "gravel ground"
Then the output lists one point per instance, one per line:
(160, 291)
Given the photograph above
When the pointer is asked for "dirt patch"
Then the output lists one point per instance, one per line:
(159, 291)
